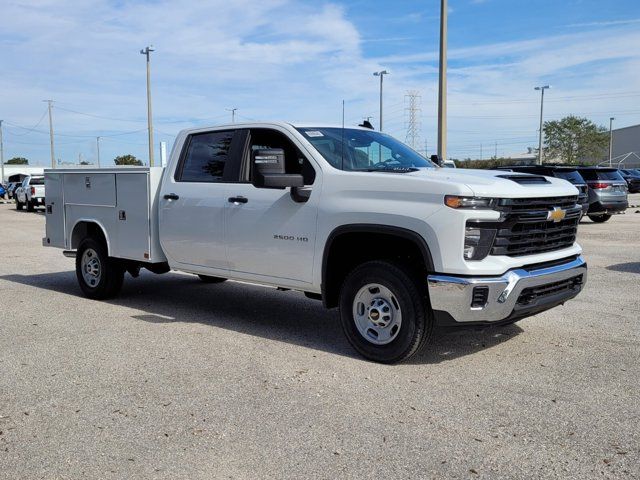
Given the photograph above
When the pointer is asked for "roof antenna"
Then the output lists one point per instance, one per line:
(342, 143)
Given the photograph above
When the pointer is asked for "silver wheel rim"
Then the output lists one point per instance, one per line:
(91, 267)
(377, 314)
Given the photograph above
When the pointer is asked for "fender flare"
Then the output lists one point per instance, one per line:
(94, 221)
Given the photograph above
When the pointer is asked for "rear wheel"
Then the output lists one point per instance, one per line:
(30, 207)
(100, 276)
(599, 218)
(384, 314)
(18, 204)
(209, 279)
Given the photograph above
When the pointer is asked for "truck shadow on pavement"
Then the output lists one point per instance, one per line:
(258, 311)
(629, 267)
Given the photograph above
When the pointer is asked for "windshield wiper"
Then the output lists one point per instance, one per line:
(388, 169)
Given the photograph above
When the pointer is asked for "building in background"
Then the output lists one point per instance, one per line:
(626, 141)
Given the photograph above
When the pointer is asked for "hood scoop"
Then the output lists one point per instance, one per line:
(526, 179)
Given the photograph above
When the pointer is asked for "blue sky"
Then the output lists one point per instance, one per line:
(296, 61)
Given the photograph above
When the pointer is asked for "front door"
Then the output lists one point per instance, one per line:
(270, 234)
(193, 200)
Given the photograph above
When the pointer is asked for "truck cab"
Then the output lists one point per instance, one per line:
(349, 216)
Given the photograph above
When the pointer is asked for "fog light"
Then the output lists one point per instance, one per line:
(478, 242)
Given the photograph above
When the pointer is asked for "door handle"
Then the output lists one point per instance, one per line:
(171, 196)
(238, 200)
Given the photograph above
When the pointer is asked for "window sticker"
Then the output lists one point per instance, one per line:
(313, 133)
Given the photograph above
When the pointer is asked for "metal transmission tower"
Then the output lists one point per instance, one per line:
(414, 124)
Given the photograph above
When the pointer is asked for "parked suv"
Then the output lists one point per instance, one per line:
(632, 177)
(607, 192)
(568, 173)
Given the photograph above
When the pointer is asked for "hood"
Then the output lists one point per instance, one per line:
(500, 184)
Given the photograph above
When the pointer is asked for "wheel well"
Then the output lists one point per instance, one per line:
(86, 229)
(348, 249)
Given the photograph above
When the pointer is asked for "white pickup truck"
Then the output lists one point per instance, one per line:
(30, 193)
(348, 216)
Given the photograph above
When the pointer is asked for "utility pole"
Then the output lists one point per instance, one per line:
(147, 52)
(610, 139)
(233, 114)
(380, 74)
(98, 145)
(442, 84)
(480, 151)
(496, 152)
(1, 156)
(53, 157)
(542, 89)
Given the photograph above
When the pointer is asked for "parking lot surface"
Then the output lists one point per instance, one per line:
(180, 379)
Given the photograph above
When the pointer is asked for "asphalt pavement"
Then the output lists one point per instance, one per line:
(177, 379)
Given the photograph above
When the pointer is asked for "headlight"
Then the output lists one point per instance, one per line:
(454, 201)
(478, 242)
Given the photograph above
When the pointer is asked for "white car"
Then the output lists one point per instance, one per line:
(31, 193)
(349, 216)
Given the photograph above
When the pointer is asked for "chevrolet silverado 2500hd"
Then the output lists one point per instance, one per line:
(346, 215)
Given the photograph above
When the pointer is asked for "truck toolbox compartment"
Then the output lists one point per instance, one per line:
(90, 189)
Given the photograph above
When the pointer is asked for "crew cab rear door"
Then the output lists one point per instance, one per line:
(269, 234)
(193, 199)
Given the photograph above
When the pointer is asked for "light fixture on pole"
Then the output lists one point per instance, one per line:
(542, 89)
(611, 139)
(380, 74)
(147, 52)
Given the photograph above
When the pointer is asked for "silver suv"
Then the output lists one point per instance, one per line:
(607, 192)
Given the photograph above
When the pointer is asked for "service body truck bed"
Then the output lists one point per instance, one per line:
(121, 201)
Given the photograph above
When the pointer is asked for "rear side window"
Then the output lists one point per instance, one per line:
(206, 157)
(571, 176)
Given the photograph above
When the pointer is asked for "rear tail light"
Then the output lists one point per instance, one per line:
(33, 191)
(598, 185)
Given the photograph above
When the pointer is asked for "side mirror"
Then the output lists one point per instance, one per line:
(437, 160)
(268, 170)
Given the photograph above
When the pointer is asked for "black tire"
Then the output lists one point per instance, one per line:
(209, 279)
(599, 218)
(30, 206)
(18, 205)
(111, 271)
(408, 298)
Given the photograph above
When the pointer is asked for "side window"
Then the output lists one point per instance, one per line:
(295, 161)
(206, 157)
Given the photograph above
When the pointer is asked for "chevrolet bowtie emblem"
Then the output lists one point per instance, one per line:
(557, 214)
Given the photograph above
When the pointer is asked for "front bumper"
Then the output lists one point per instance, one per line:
(517, 294)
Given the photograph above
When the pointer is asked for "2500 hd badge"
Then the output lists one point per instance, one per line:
(290, 237)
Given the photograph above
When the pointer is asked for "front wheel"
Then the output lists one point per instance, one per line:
(599, 218)
(384, 314)
(100, 276)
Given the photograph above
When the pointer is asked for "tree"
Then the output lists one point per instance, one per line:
(17, 161)
(127, 160)
(574, 139)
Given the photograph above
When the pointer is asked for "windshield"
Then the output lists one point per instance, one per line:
(364, 150)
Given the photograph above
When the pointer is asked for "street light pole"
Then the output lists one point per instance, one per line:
(542, 89)
(1, 156)
(53, 157)
(147, 51)
(98, 145)
(381, 74)
(442, 84)
(233, 114)
(611, 139)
